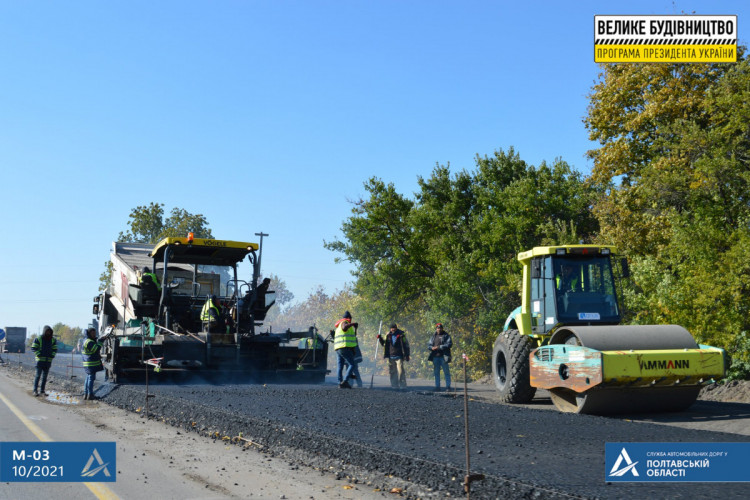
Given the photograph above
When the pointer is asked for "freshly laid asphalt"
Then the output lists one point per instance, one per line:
(419, 436)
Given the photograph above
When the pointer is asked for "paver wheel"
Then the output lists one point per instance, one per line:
(510, 367)
(111, 376)
(111, 370)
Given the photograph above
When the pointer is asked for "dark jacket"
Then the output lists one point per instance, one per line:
(400, 349)
(45, 350)
(444, 348)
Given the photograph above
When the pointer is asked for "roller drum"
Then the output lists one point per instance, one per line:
(603, 400)
(625, 338)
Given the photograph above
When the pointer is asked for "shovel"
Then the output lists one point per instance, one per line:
(375, 364)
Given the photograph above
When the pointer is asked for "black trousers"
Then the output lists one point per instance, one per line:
(41, 370)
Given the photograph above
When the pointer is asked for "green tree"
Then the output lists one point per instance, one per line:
(673, 162)
(146, 224)
(632, 113)
(449, 254)
(67, 334)
(322, 309)
(381, 246)
(284, 298)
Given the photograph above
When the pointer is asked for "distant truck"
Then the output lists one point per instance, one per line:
(15, 339)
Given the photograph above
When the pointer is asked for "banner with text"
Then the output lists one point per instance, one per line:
(696, 462)
(666, 39)
(58, 462)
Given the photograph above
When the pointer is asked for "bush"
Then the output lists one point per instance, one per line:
(739, 353)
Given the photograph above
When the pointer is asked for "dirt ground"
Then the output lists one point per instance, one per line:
(736, 391)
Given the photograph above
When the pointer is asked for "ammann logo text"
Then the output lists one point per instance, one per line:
(663, 364)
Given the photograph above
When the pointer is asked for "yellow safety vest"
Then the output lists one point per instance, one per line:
(91, 353)
(573, 282)
(36, 346)
(343, 338)
(153, 278)
(205, 316)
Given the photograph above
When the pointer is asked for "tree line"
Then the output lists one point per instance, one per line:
(669, 187)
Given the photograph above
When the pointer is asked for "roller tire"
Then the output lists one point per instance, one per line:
(510, 367)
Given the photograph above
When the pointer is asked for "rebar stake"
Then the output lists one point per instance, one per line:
(469, 478)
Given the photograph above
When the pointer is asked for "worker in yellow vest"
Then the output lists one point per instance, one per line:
(569, 278)
(45, 350)
(148, 277)
(345, 344)
(212, 314)
(92, 362)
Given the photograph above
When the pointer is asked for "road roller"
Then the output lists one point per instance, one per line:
(566, 337)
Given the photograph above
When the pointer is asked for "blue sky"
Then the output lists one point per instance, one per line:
(267, 116)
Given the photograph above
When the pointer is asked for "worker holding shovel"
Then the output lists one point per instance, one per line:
(396, 350)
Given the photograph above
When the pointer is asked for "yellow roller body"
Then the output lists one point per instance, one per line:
(624, 369)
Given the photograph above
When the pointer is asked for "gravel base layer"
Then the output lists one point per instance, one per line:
(328, 436)
(367, 435)
(419, 437)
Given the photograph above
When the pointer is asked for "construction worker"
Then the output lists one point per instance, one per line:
(344, 343)
(45, 349)
(148, 277)
(440, 355)
(568, 279)
(92, 362)
(212, 314)
(396, 351)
